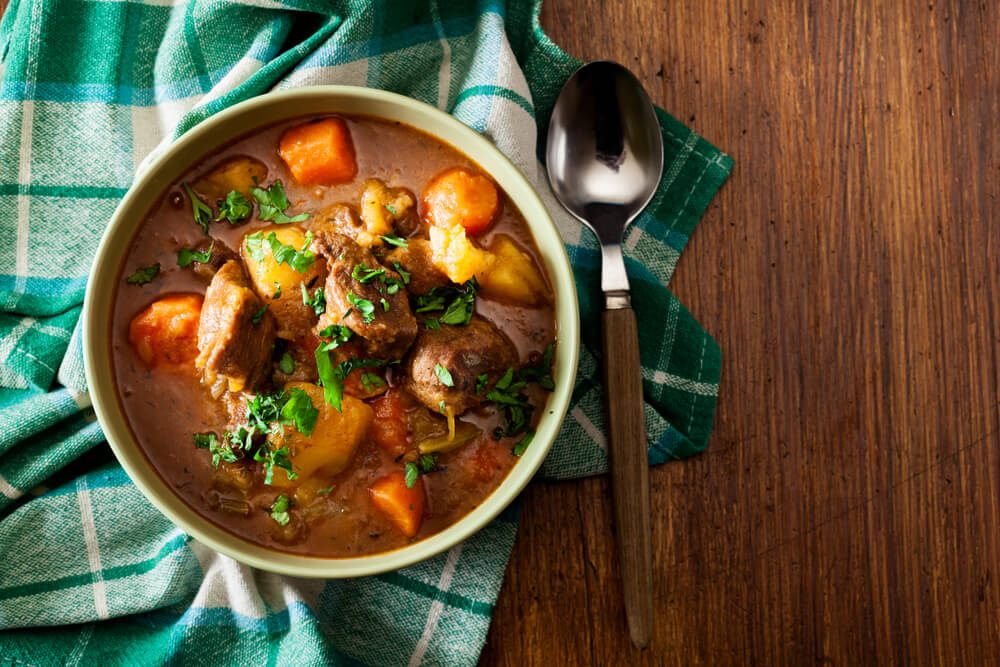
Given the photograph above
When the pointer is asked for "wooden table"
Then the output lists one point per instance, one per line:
(847, 510)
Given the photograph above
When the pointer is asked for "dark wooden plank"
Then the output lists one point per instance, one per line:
(847, 509)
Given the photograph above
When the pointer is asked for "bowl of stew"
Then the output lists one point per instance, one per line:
(331, 332)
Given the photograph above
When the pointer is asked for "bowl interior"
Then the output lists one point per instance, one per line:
(219, 130)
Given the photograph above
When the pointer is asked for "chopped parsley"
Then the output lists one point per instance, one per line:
(300, 412)
(220, 451)
(458, 303)
(370, 381)
(287, 364)
(363, 274)
(187, 257)
(317, 301)
(525, 441)
(324, 491)
(339, 333)
(364, 306)
(392, 285)
(279, 510)
(507, 393)
(403, 273)
(385, 304)
(432, 323)
(272, 458)
(332, 377)
(443, 375)
(441, 406)
(392, 239)
(201, 211)
(426, 464)
(273, 203)
(259, 315)
(300, 260)
(235, 207)
(481, 383)
(143, 276)
(391, 209)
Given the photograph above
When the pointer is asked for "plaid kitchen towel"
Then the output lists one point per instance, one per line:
(88, 90)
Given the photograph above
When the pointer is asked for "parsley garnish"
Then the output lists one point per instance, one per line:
(525, 441)
(363, 274)
(201, 211)
(221, 451)
(364, 306)
(234, 207)
(481, 383)
(458, 303)
(186, 257)
(143, 276)
(287, 364)
(385, 304)
(259, 315)
(443, 375)
(279, 510)
(391, 209)
(403, 273)
(300, 260)
(441, 406)
(426, 464)
(273, 202)
(332, 377)
(339, 333)
(507, 392)
(318, 300)
(326, 490)
(392, 239)
(300, 411)
(370, 381)
(432, 323)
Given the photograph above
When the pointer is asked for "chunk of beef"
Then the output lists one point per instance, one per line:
(231, 345)
(221, 253)
(415, 259)
(377, 307)
(466, 352)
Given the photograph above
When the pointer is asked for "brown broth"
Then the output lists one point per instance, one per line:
(165, 408)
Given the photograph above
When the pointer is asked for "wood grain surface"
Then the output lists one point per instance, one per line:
(847, 510)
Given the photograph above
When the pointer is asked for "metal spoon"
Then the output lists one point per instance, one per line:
(605, 159)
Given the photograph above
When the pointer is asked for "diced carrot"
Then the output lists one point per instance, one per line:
(403, 506)
(461, 197)
(391, 428)
(166, 332)
(319, 153)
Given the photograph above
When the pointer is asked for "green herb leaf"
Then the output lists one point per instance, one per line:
(441, 406)
(300, 260)
(339, 333)
(255, 246)
(391, 209)
(385, 304)
(525, 441)
(432, 323)
(143, 276)
(186, 257)
(392, 239)
(234, 208)
(481, 383)
(300, 411)
(363, 274)
(333, 386)
(277, 290)
(259, 315)
(443, 375)
(318, 300)
(272, 458)
(428, 462)
(403, 273)
(287, 364)
(364, 306)
(220, 451)
(272, 204)
(411, 474)
(279, 510)
(371, 381)
(324, 491)
(458, 302)
(201, 211)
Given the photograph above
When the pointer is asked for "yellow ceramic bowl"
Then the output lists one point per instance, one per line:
(221, 129)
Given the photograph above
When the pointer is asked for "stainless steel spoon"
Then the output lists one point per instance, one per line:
(605, 159)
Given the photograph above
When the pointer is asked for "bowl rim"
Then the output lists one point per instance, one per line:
(129, 215)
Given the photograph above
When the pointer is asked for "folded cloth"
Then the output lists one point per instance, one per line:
(88, 90)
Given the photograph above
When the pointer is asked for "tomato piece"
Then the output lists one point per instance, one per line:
(319, 153)
(460, 197)
(403, 506)
(166, 332)
(391, 427)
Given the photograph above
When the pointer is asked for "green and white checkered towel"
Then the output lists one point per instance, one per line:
(88, 89)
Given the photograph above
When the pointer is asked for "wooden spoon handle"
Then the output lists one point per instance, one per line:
(629, 468)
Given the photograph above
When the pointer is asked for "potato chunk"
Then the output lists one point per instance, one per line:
(166, 332)
(333, 442)
(514, 276)
(236, 173)
(279, 285)
(380, 208)
(456, 256)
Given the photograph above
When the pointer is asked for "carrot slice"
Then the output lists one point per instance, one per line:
(319, 153)
(403, 506)
(461, 197)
